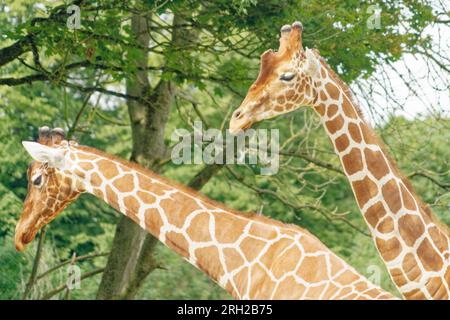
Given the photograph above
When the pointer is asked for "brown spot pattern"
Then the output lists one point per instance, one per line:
(447, 275)
(391, 195)
(95, 180)
(146, 197)
(320, 109)
(386, 226)
(332, 90)
(209, 261)
(368, 134)
(410, 228)
(262, 231)
(83, 156)
(331, 291)
(178, 208)
(408, 200)
(86, 165)
(131, 204)
(178, 243)
(354, 132)
(332, 110)
(251, 248)
(153, 221)
(99, 193)
(411, 268)
(436, 287)
(229, 234)
(376, 163)
(313, 269)
(124, 183)
(233, 259)
(199, 228)
(286, 262)
(430, 259)
(286, 289)
(279, 108)
(108, 169)
(144, 183)
(241, 279)
(335, 124)
(415, 294)
(346, 277)
(290, 94)
(270, 256)
(353, 161)
(399, 278)
(258, 275)
(439, 239)
(389, 249)
(349, 110)
(365, 190)
(314, 291)
(111, 196)
(80, 173)
(342, 142)
(374, 214)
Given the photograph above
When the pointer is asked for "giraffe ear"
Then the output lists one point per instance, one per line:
(42, 153)
(312, 64)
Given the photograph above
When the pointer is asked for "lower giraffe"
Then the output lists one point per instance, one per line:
(250, 256)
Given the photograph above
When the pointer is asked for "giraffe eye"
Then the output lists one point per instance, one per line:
(37, 181)
(288, 76)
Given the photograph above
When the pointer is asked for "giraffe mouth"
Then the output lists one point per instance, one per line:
(22, 239)
(24, 235)
(242, 125)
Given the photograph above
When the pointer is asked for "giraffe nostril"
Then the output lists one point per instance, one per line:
(237, 114)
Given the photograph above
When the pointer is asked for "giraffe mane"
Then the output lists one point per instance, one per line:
(425, 207)
(342, 84)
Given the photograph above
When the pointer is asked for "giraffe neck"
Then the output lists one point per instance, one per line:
(252, 257)
(414, 248)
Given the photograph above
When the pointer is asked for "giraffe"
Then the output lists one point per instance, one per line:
(250, 256)
(413, 244)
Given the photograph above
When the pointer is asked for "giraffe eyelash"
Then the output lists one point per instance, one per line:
(38, 180)
(288, 76)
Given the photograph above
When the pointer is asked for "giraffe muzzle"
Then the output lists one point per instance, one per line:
(24, 235)
(239, 121)
(21, 240)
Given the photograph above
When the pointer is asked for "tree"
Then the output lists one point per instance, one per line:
(134, 68)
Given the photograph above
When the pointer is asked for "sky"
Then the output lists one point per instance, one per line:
(432, 89)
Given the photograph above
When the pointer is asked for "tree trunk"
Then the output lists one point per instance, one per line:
(132, 256)
(147, 123)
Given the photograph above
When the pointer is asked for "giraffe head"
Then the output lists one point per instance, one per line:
(286, 81)
(50, 186)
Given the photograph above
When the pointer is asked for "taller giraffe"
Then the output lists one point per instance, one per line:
(252, 257)
(412, 242)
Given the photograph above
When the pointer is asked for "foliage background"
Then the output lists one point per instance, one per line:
(75, 79)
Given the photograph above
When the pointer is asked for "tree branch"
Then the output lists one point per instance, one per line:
(445, 186)
(64, 286)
